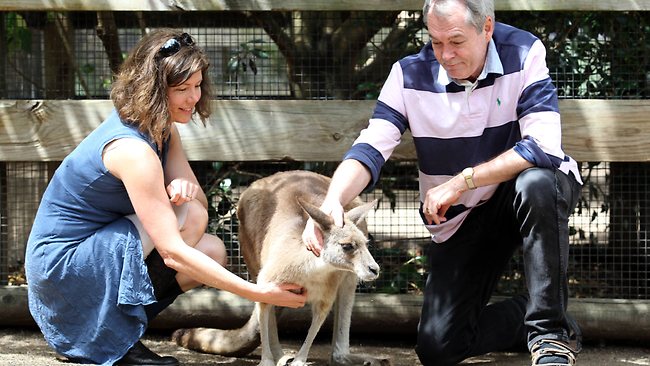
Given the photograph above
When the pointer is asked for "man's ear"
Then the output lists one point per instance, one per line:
(488, 27)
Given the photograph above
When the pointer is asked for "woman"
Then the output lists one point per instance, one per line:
(120, 231)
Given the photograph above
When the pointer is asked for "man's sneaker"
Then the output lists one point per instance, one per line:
(575, 334)
(549, 352)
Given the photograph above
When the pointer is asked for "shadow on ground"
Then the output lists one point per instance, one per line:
(26, 347)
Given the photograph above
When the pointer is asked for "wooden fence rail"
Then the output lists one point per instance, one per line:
(248, 130)
(47, 130)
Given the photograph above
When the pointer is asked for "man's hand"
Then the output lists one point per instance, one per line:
(438, 199)
(312, 236)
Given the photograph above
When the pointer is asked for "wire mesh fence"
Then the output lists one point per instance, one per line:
(610, 256)
(340, 55)
(305, 55)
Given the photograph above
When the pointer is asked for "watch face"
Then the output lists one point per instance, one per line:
(467, 174)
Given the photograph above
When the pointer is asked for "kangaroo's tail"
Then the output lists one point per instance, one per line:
(226, 342)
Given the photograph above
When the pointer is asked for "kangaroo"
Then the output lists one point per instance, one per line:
(272, 213)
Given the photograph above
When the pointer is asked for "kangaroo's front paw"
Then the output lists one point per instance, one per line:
(359, 360)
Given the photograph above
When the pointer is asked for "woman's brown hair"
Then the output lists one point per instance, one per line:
(139, 91)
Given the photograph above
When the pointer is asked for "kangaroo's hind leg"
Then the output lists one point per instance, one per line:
(264, 312)
(274, 340)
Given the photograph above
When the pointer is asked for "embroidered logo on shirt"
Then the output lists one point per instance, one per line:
(499, 102)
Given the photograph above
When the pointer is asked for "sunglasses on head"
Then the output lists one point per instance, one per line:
(174, 45)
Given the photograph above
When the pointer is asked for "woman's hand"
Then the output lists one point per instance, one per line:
(287, 295)
(182, 190)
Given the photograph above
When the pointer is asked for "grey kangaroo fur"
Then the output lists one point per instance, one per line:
(272, 214)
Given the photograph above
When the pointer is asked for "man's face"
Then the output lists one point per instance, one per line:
(458, 47)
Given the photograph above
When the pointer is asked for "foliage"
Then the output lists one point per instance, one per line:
(404, 274)
(245, 57)
(595, 193)
(592, 54)
(589, 54)
(18, 36)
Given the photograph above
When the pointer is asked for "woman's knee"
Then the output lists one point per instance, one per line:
(195, 222)
(214, 248)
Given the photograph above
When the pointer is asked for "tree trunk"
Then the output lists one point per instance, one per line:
(59, 68)
(629, 224)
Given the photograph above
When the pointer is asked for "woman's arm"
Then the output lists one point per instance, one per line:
(179, 177)
(136, 164)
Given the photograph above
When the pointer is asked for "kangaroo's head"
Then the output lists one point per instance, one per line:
(345, 247)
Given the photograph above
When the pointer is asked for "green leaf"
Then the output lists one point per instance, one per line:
(253, 65)
(233, 65)
(259, 53)
(88, 68)
(19, 37)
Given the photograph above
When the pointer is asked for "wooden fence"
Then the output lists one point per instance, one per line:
(325, 5)
(252, 130)
(46, 130)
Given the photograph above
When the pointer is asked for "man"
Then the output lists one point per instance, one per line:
(485, 121)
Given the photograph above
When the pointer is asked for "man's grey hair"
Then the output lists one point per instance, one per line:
(477, 10)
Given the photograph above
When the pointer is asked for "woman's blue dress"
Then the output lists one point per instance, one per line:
(87, 280)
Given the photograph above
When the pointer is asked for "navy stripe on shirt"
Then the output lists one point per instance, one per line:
(438, 156)
(368, 156)
(530, 151)
(538, 97)
(385, 112)
(512, 46)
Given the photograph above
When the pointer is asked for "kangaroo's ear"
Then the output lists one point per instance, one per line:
(359, 213)
(323, 220)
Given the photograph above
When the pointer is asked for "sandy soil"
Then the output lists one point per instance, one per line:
(26, 347)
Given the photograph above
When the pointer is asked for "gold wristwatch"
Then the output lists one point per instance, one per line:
(468, 174)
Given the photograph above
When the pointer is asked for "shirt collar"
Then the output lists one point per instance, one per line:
(492, 66)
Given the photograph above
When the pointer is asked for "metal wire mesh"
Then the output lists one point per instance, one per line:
(21, 186)
(590, 55)
(307, 55)
(610, 256)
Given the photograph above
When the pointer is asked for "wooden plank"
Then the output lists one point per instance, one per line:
(316, 5)
(385, 314)
(248, 130)
(572, 5)
(606, 130)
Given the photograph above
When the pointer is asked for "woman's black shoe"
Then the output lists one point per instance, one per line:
(139, 355)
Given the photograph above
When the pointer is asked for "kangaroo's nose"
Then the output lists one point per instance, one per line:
(374, 269)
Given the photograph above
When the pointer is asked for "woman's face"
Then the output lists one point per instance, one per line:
(183, 97)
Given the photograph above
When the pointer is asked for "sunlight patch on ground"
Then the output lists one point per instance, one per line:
(637, 361)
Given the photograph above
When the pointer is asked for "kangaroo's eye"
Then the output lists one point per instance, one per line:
(347, 247)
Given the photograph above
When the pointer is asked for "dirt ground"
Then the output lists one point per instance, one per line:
(26, 347)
